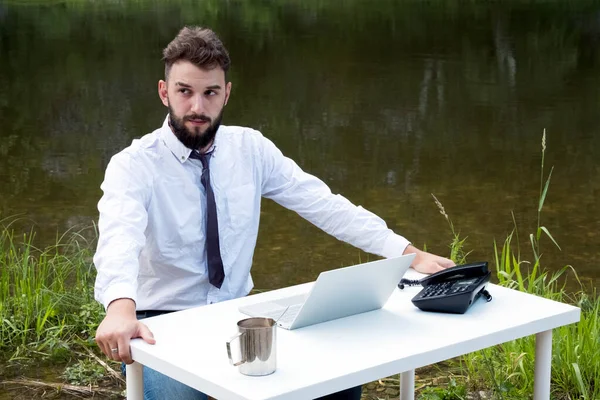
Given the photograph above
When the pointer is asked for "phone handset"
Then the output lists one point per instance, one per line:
(453, 289)
(464, 271)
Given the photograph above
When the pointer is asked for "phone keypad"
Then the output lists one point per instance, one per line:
(444, 289)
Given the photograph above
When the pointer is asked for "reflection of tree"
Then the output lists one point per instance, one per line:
(588, 49)
(507, 65)
(362, 96)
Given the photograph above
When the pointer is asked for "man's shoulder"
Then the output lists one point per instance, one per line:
(239, 136)
(238, 131)
(147, 145)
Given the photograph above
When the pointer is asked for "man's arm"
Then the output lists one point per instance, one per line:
(286, 183)
(122, 222)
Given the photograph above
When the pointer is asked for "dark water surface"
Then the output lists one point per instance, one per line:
(386, 101)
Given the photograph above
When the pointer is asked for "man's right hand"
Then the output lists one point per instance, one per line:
(117, 329)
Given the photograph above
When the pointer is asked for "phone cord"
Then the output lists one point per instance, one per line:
(409, 282)
(486, 294)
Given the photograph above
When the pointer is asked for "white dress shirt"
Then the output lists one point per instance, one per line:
(152, 217)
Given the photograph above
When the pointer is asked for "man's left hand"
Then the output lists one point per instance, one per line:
(428, 263)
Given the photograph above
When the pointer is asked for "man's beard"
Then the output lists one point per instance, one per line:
(194, 139)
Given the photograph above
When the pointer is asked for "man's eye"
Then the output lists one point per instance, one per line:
(210, 93)
(184, 91)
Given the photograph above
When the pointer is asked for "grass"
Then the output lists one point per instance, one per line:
(46, 299)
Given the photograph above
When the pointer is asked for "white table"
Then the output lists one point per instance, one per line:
(332, 356)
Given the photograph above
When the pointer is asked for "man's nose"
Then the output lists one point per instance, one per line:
(198, 105)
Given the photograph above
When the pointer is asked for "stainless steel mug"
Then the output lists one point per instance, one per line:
(258, 346)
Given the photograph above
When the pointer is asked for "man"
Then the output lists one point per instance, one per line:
(180, 211)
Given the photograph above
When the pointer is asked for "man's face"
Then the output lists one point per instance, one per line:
(195, 98)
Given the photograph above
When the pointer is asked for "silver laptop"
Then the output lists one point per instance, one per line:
(336, 294)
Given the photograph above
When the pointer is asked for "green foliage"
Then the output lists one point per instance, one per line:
(453, 391)
(575, 364)
(89, 317)
(84, 373)
(46, 302)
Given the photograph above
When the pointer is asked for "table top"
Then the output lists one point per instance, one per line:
(331, 356)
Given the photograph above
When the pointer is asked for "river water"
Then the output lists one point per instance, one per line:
(388, 102)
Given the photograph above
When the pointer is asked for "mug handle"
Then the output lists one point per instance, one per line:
(237, 363)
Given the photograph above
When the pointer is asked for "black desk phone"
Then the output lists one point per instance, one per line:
(452, 290)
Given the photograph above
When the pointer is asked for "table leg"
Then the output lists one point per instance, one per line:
(407, 385)
(543, 364)
(135, 381)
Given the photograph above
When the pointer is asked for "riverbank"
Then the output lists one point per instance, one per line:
(44, 381)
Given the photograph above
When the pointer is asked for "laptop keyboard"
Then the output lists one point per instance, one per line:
(287, 317)
(291, 300)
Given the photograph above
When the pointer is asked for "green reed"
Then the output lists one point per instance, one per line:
(46, 297)
(509, 367)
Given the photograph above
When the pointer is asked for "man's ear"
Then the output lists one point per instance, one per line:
(163, 93)
(227, 92)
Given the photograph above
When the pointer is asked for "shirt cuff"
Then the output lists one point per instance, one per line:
(394, 246)
(118, 291)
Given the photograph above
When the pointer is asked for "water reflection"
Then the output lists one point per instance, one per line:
(387, 104)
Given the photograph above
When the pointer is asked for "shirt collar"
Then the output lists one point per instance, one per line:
(179, 150)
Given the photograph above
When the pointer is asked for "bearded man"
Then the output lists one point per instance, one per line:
(180, 211)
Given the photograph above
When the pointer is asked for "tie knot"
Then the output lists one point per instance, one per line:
(204, 158)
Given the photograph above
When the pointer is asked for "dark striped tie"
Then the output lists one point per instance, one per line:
(213, 253)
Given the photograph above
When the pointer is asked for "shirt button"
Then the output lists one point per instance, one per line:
(182, 157)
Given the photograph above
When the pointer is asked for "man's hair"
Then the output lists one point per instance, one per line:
(200, 46)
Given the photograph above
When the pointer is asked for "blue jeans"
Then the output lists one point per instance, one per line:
(160, 387)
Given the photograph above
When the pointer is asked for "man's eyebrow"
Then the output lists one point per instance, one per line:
(185, 85)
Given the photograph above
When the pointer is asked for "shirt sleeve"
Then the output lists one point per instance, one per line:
(122, 222)
(286, 183)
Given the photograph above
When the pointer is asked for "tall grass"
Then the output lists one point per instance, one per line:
(46, 300)
(508, 368)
